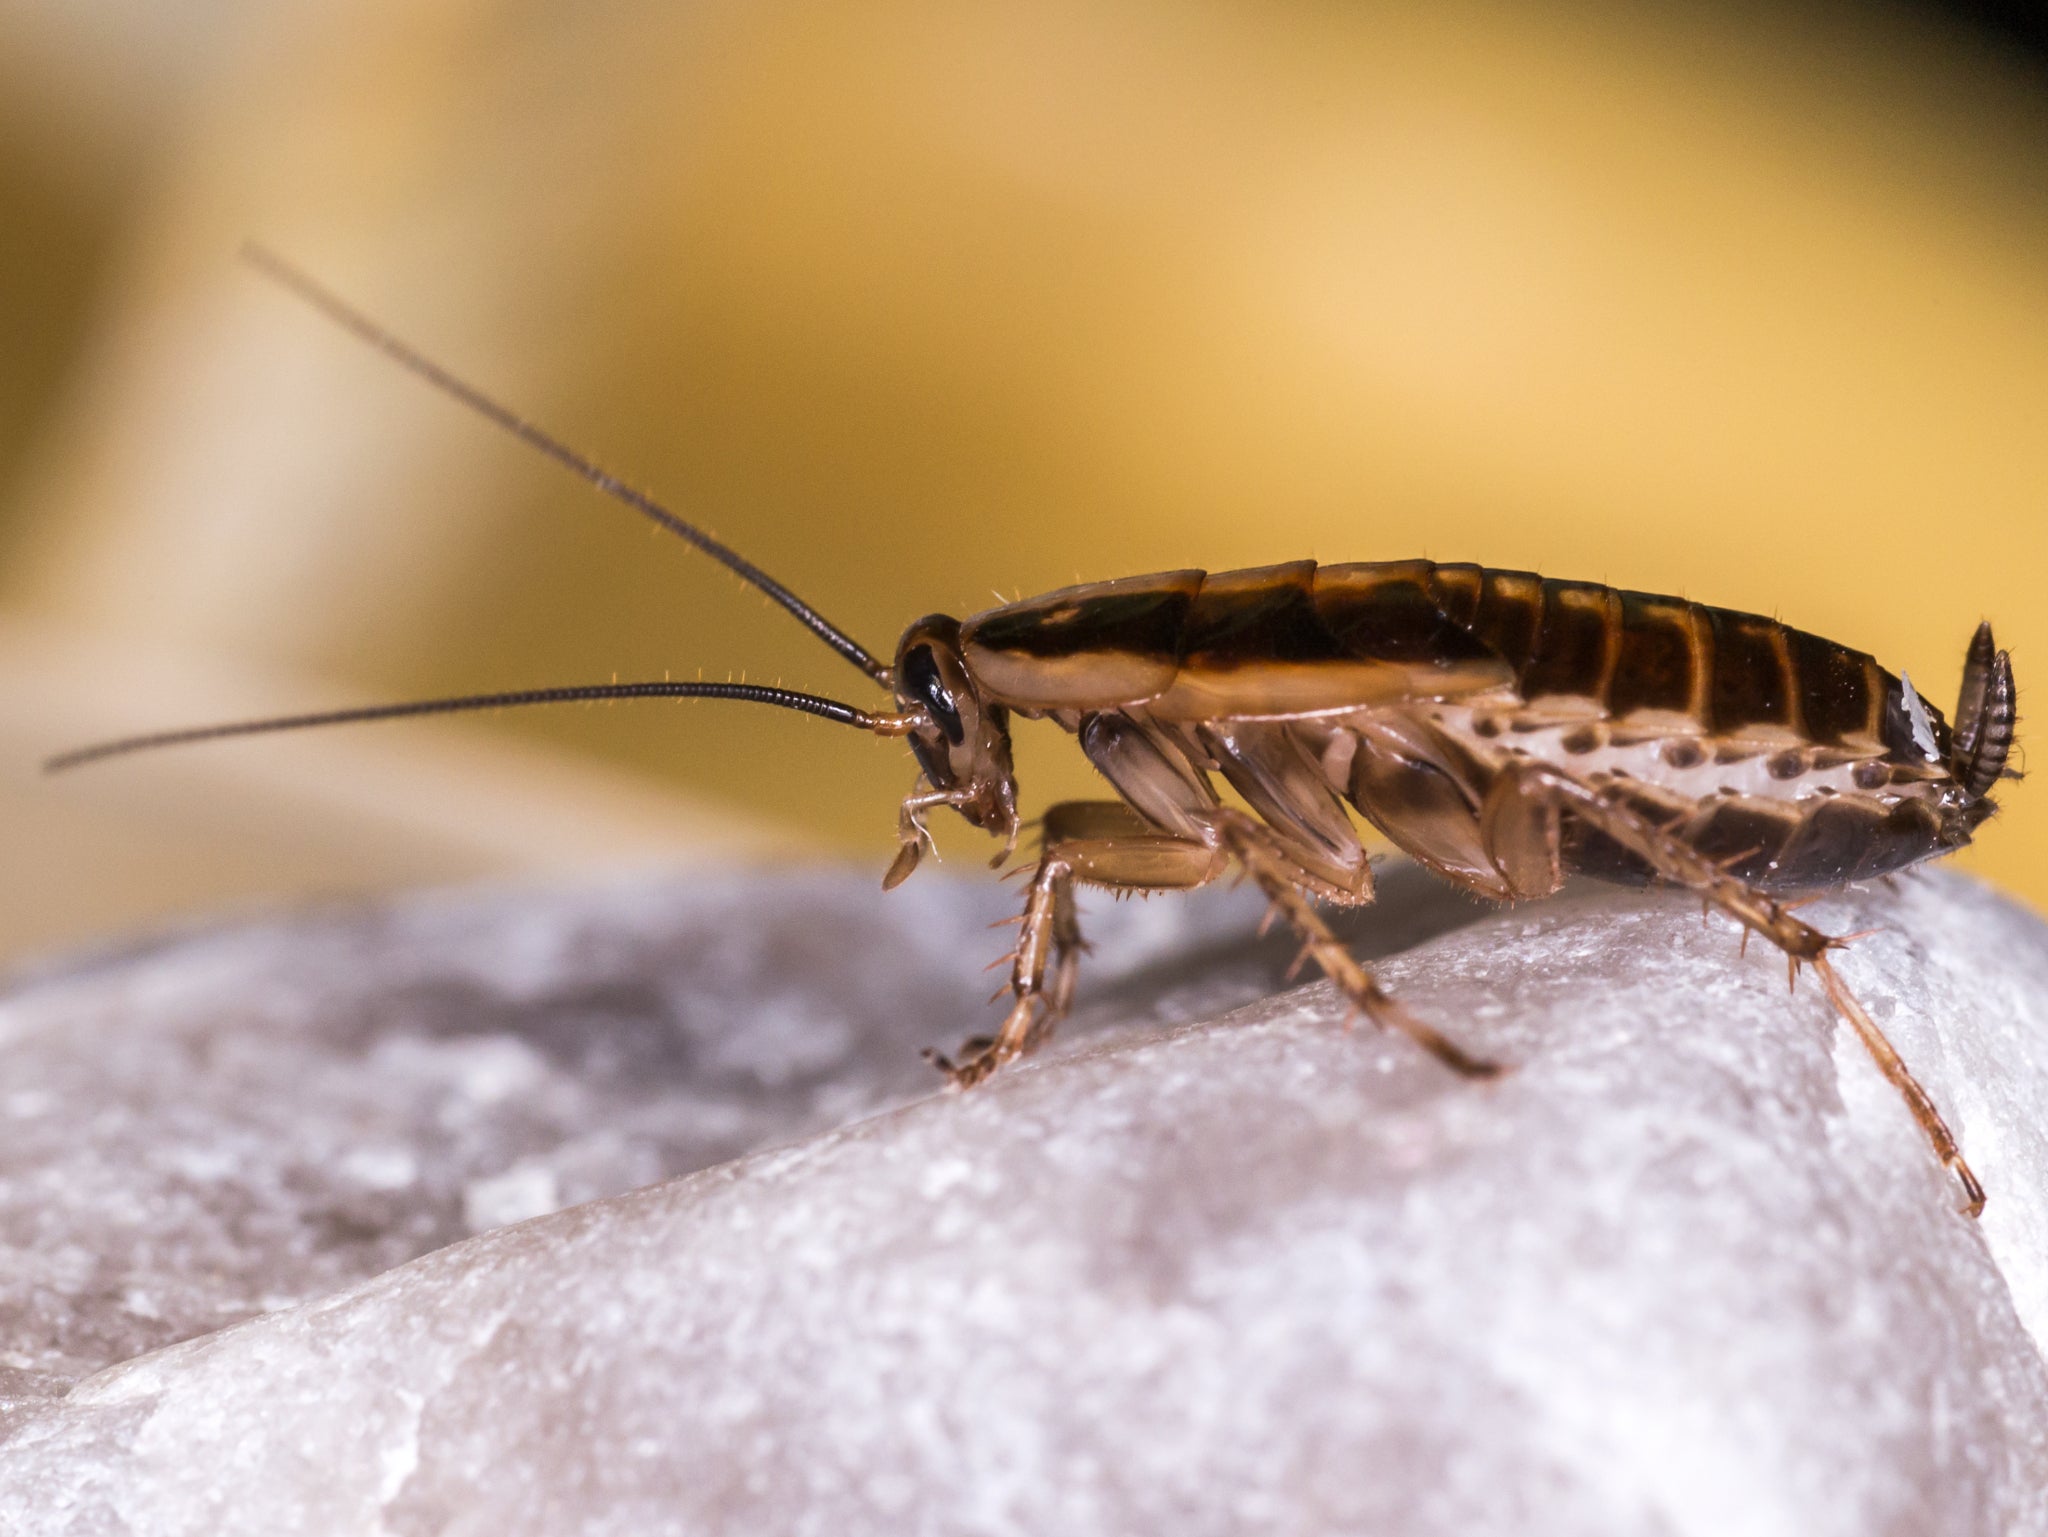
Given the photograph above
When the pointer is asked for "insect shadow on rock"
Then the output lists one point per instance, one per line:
(1502, 728)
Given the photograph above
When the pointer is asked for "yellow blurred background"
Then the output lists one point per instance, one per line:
(916, 303)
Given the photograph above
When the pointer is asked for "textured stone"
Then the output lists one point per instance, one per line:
(1218, 1267)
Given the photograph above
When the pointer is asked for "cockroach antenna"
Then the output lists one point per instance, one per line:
(353, 320)
(350, 319)
(788, 699)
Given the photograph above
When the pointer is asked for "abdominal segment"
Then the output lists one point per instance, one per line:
(1777, 818)
(1430, 777)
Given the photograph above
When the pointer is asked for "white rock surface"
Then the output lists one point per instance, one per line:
(1689, 1270)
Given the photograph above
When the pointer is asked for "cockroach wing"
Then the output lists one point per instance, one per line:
(1295, 640)
(1273, 642)
(1091, 647)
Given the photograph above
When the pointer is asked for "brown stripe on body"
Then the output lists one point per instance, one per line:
(1264, 615)
(1576, 643)
(1753, 683)
(1083, 647)
(1142, 615)
(1647, 653)
(1390, 611)
(1458, 589)
(1660, 664)
(1298, 639)
(1841, 692)
(1509, 615)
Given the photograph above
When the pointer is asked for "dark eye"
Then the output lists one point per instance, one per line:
(922, 682)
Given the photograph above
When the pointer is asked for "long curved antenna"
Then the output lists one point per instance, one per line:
(350, 319)
(788, 699)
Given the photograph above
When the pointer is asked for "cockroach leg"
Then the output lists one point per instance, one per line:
(1105, 843)
(1009, 847)
(913, 837)
(1252, 844)
(1050, 939)
(1677, 861)
(1101, 843)
(1932, 1126)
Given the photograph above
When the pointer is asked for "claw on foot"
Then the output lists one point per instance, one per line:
(977, 1061)
(1452, 1055)
(1973, 1193)
(1389, 1015)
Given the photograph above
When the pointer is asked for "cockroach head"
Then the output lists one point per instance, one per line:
(963, 743)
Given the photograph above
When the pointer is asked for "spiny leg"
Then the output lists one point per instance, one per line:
(1101, 843)
(1539, 784)
(1050, 934)
(1262, 856)
(1894, 1068)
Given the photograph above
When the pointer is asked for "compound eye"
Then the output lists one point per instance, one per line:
(922, 682)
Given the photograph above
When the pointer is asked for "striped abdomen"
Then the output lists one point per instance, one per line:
(1729, 673)
(1300, 638)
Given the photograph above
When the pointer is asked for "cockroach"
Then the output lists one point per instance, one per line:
(1502, 729)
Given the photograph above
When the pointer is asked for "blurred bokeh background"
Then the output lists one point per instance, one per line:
(915, 302)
